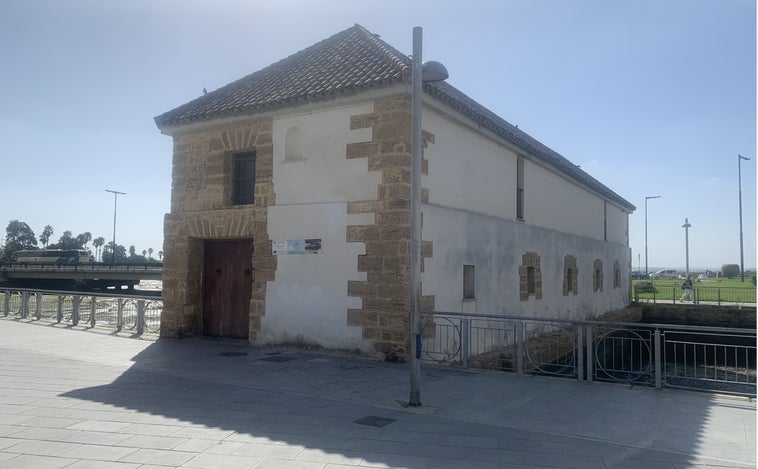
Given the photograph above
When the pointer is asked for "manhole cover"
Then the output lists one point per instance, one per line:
(232, 354)
(277, 358)
(374, 421)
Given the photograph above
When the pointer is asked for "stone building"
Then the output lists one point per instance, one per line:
(290, 209)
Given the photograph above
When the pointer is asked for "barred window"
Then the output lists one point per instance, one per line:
(243, 178)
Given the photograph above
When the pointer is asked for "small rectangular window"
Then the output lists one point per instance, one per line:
(469, 282)
(243, 178)
(531, 280)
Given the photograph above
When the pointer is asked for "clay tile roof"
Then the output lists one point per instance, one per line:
(349, 62)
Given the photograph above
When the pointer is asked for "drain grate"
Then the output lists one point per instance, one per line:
(232, 354)
(277, 358)
(374, 421)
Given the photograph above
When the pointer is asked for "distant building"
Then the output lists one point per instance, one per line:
(290, 209)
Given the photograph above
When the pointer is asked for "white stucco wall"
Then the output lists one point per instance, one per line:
(308, 302)
(495, 246)
(323, 174)
(618, 224)
(469, 172)
(472, 172)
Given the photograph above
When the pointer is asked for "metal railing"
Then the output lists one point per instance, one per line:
(715, 295)
(660, 355)
(141, 315)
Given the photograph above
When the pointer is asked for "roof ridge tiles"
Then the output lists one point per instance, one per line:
(348, 62)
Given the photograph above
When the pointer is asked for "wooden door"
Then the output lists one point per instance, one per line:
(227, 287)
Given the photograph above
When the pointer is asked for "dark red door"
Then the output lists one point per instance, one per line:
(227, 287)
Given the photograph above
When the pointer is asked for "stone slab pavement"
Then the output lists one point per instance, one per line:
(89, 399)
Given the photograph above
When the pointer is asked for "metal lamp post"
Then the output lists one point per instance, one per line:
(739, 176)
(115, 201)
(430, 71)
(687, 227)
(646, 199)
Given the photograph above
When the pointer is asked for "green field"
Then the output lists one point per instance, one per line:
(708, 289)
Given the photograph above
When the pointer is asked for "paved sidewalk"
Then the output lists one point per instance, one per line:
(76, 399)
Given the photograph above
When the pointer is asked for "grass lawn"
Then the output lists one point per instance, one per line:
(707, 289)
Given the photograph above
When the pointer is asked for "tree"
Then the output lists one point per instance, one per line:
(98, 243)
(150, 253)
(132, 251)
(44, 238)
(84, 238)
(144, 253)
(160, 256)
(18, 233)
(67, 241)
(108, 253)
(18, 236)
(730, 270)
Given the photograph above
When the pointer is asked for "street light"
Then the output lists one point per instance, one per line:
(115, 200)
(430, 71)
(739, 175)
(687, 227)
(646, 199)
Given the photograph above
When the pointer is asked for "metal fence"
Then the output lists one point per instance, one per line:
(659, 355)
(715, 295)
(142, 315)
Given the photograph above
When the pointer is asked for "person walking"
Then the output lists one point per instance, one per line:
(688, 290)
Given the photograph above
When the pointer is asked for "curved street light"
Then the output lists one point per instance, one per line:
(429, 71)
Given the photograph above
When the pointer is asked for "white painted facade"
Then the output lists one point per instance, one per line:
(470, 219)
(308, 301)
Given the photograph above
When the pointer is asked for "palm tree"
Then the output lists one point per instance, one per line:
(150, 252)
(47, 232)
(160, 256)
(98, 243)
(144, 253)
(84, 238)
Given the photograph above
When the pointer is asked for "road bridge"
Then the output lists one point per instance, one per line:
(95, 275)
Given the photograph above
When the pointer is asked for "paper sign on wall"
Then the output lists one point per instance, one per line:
(297, 246)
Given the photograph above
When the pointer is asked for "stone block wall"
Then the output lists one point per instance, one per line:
(201, 209)
(384, 315)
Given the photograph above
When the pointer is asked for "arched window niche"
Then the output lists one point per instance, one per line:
(293, 145)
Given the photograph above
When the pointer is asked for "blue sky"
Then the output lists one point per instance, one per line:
(651, 97)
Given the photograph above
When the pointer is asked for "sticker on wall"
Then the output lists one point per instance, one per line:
(296, 246)
(313, 245)
(279, 247)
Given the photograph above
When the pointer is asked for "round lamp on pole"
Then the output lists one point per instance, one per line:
(430, 71)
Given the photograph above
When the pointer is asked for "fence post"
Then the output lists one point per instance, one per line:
(520, 328)
(120, 314)
(59, 315)
(6, 303)
(93, 308)
(75, 301)
(38, 305)
(718, 295)
(465, 341)
(590, 361)
(140, 316)
(657, 347)
(580, 353)
(24, 304)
